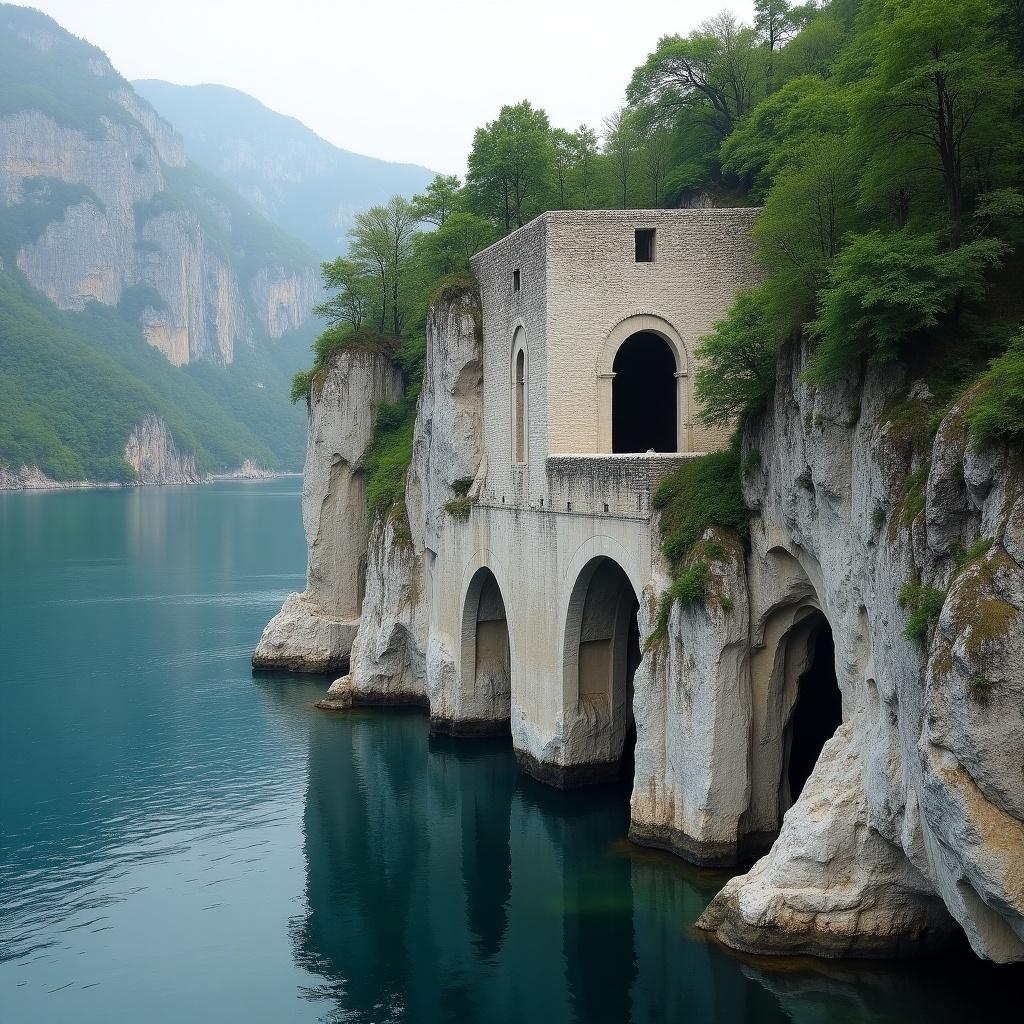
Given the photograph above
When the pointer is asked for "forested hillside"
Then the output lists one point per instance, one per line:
(131, 281)
(884, 141)
(298, 180)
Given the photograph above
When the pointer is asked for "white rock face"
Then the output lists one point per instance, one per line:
(692, 708)
(831, 885)
(314, 631)
(152, 453)
(390, 660)
(934, 726)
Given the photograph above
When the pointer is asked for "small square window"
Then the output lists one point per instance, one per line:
(645, 245)
(515, 280)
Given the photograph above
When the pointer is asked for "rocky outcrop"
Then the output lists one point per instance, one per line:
(862, 522)
(314, 630)
(152, 453)
(114, 207)
(393, 660)
(693, 712)
(832, 885)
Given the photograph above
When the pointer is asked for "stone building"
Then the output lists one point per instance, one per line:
(590, 324)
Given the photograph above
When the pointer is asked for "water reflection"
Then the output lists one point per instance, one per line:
(443, 886)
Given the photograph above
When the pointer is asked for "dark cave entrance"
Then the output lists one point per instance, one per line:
(818, 711)
(644, 395)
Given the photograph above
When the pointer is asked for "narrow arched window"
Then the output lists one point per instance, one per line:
(520, 406)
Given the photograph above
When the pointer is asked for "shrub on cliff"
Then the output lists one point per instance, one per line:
(997, 411)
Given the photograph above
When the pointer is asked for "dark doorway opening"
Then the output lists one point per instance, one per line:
(818, 711)
(644, 395)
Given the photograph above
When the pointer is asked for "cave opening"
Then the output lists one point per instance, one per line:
(818, 711)
(644, 395)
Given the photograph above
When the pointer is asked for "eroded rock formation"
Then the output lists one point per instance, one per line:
(393, 660)
(152, 453)
(314, 630)
(925, 780)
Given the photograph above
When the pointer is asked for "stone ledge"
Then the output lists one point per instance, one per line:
(343, 697)
(573, 776)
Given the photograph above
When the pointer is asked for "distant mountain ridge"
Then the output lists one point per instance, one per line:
(304, 184)
(133, 283)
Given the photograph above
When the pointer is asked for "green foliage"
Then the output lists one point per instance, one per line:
(996, 409)
(387, 460)
(737, 368)
(459, 508)
(884, 290)
(70, 81)
(75, 384)
(703, 492)
(924, 604)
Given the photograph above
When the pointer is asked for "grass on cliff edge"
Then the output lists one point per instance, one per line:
(702, 493)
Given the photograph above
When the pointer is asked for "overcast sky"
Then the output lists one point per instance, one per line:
(405, 80)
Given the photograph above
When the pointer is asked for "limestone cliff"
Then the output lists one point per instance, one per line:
(314, 630)
(108, 209)
(915, 811)
(154, 456)
(393, 658)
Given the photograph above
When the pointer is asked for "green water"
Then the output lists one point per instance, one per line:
(179, 842)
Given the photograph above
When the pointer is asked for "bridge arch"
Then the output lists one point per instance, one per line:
(600, 653)
(485, 658)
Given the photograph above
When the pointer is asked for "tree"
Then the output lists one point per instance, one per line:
(352, 303)
(887, 289)
(370, 249)
(938, 102)
(381, 247)
(774, 20)
(510, 165)
(621, 144)
(718, 71)
(449, 249)
(563, 148)
(401, 224)
(737, 370)
(585, 144)
(438, 201)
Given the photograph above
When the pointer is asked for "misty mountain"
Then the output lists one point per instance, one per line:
(135, 286)
(300, 181)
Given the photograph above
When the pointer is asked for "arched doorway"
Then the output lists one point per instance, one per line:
(486, 683)
(644, 404)
(817, 710)
(602, 652)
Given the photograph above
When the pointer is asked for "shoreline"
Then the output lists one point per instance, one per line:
(42, 484)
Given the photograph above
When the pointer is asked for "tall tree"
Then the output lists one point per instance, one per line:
(370, 249)
(937, 104)
(351, 304)
(401, 225)
(585, 169)
(510, 164)
(621, 144)
(717, 71)
(438, 201)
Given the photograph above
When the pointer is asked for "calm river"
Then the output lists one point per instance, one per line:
(181, 842)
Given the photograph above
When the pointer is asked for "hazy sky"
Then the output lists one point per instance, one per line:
(398, 79)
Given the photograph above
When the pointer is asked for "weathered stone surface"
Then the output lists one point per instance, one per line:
(692, 708)
(831, 885)
(152, 453)
(314, 631)
(933, 726)
(390, 655)
(301, 638)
